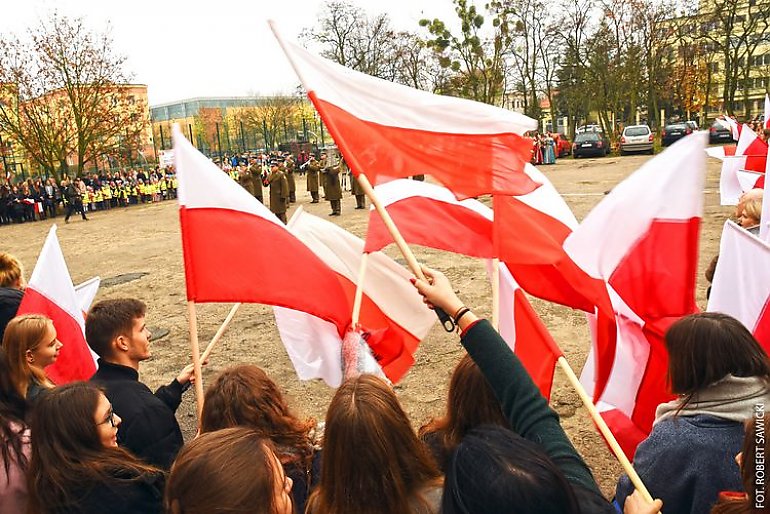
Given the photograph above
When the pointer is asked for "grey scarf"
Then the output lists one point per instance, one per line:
(732, 398)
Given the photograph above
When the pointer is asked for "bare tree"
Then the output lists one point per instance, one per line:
(71, 100)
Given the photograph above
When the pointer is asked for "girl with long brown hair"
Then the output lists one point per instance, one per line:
(373, 461)
(77, 466)
(470, 404)
(244, 396)
(229, 471)
(31, 343)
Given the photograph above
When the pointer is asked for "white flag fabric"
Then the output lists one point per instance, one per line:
(741, 286)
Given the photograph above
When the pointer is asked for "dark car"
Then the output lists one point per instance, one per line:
(719, 133)
(589, 144)
(674, 132)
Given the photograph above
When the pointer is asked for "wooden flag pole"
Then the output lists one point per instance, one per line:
(359, 290)
(196, 357)
(218, 335)
(604, 429)
(496, 294)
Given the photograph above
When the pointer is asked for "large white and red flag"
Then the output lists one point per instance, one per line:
(764, 222)
(394, 319)
(750, 154)
(387, 130)
(741, 286)
(236, 250)
(642, 240)
(728, 122)
(525, 333)
(429, 215)
(50, 292)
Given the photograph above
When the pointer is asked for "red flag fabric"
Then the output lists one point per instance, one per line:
(393, 317)
(741, 286)
(525, 333)
(50, 292)
(430, 215)
(236, 250)
(750, 154)
(386, 130)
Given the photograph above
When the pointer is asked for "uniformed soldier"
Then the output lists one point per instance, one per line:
(332, 186)
(256, 176)
(313, 168)
(246, 180)
(356, 190)
(279, 191)
(290, 167)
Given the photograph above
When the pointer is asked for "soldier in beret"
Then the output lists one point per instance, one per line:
(279, 191)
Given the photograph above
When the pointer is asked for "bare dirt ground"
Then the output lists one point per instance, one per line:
(147, 239)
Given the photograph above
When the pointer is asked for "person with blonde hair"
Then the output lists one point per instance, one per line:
(750, 215)
(31, 344)
(12, 285)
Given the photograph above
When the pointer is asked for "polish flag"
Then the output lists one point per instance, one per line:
(525, 333)
(720, 152)
(50, 292)
(751, 180)
(642, 239)
(386, 130)
(236, 250)
(430, 215)
(394, 317)
(741, 286)
(727, 122)
(750, 154)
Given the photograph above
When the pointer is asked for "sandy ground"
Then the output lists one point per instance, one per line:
(147, 239)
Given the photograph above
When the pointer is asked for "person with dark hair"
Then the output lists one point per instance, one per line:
(532, 468)
(14, 450)
(390, 471)
(719, 373)
(470, 404)
(12, 285)
(73, 200)
(116, 331)
(229, 471)
(245, 396)
(76, 465)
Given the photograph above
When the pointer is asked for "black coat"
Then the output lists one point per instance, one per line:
(119, 495)
(10, 299)
(149, 428)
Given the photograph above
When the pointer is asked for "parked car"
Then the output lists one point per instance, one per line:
(719, 133)
(590, 144)
(636, 138)
(674, 132)
(562, 144)
(693, 125)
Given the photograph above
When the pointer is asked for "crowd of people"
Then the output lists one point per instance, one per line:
(38, 199)
(112, 445)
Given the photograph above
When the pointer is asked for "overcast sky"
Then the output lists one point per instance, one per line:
(188, 48)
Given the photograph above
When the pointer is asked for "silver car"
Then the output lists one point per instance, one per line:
(636, 138)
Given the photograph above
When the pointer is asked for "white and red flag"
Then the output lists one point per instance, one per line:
(735, 128)
(430, 215)
(86, 292)
(236, 250)
(393, 317)
(741, 286)
(764, 222)
(642, 240)
(50, 292)
(751, 155)
(387, 130)
(751, 180)
(525, 333)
